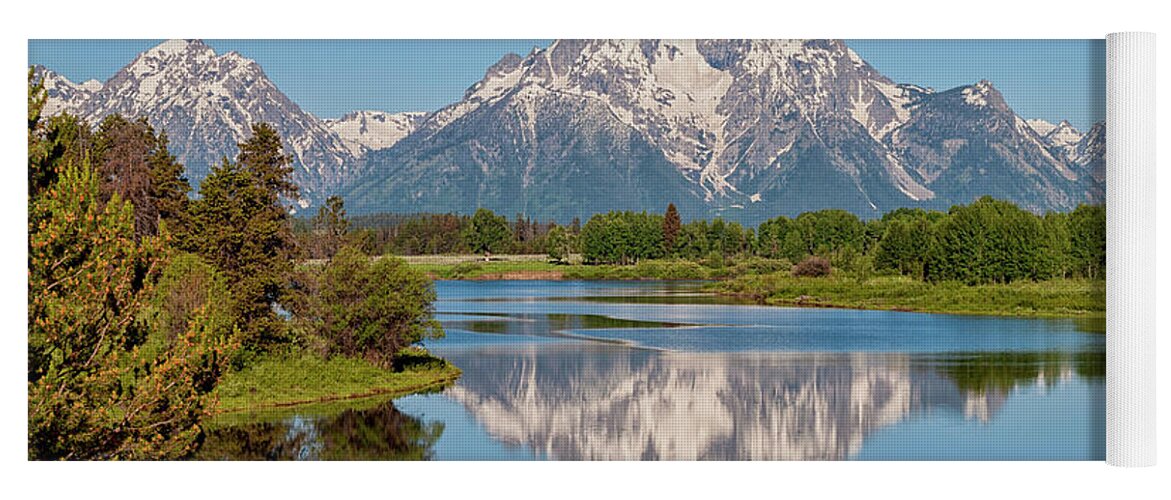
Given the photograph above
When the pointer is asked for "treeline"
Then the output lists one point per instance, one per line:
(988, 241)
(141, 297)
(434, 234)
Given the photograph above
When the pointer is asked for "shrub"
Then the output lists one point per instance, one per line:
(714, 260)
(812, 266)
(465, 269)
(373, 309)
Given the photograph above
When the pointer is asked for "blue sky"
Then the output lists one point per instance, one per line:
(1049, 79)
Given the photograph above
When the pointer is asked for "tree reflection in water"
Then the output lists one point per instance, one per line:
(381, 432)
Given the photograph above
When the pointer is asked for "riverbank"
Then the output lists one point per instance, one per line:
(768, 281)
(537, 267)
(277, 381)
(1052, 298)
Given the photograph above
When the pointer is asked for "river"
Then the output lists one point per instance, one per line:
(562, 370)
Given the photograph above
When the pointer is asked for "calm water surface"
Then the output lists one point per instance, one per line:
(653, 370)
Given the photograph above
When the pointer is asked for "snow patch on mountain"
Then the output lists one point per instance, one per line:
(1040, 126)
(977, 95)
(91, 85)
(363, 131)
(1064, 138)
(62, 95)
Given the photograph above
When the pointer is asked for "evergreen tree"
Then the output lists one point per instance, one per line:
(169, 185)
(330, 227)
(100, 384)
(263, 155)
(240, 226)
(135, 164)
(39, 146)
(672, 224)
(53, 141)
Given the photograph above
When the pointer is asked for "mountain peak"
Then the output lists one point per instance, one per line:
(1063, 134)
(207, 104)
(1065, 127)
(982, 94)
(172, 48)
(1040, 126)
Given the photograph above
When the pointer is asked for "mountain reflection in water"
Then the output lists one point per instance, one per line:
(607, 403)
(549, 377)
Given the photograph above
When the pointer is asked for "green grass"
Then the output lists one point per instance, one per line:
(471, 267)
(294, 379)
(1053, 298)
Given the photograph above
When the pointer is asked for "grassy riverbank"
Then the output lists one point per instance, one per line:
(1052, 298)
(294, 379)
(768, 281)
(537, 267)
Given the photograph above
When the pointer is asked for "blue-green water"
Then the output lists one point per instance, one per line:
(652, 370)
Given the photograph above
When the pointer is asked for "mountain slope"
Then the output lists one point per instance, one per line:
(966, 143)
(64, 95)
(744, 129)
(206, 103)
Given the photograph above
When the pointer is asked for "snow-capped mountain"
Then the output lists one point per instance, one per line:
(746, 129)
(207, 103)
(1065, 138)
(1042, 127)
(1089, 157)
(743, 129)
(967, 142)
(364, 131)
(63, 94)
(1086, 153)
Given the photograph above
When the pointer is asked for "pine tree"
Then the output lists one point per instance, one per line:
(53, 141)
(331, 226)
(134, 163)
(240, 226)
(101, 385)
(263, 155)
(168, 184)
(671, 226)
